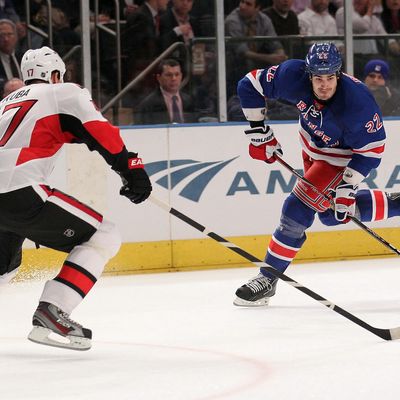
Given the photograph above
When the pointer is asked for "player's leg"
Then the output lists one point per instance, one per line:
(10, 255)
(298, 214)
(65, 224)
(286, 241)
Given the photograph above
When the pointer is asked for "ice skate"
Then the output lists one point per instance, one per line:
(53, 327)
(256, 292)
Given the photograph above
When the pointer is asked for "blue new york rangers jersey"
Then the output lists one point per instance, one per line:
(347, 130)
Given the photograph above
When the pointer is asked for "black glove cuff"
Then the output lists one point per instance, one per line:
(256, 124)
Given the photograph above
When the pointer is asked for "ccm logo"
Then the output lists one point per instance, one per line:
(135, 163)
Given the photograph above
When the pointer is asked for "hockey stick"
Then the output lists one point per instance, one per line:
(386, 334)
(354, 219)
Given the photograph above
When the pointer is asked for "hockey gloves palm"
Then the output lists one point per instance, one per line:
(137, 186)
(263, 144)
(345, 201)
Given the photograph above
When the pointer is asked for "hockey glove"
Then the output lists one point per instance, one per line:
(345, 201)
(263, 144)
(136, 183)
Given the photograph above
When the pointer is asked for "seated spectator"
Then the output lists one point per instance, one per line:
(7, 11)
(247, 21)
(177, 25)
(166, 104)
(315, 20)
(390, 17)
(376, 73)
(364, 22)
(283, 18)
(9, 63)
(285, 22)
(141, 43)
(12, 85)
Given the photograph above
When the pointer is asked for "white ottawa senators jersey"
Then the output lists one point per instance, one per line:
(35, 122)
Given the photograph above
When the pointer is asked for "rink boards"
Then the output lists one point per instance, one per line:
(205, 172)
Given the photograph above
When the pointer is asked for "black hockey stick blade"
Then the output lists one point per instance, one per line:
(386, 334)
(354, 219)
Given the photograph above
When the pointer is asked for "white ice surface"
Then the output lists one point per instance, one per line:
(178, 336)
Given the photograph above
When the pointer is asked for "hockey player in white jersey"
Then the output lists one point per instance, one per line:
(35, 122)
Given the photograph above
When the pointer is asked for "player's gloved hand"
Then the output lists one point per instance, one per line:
(345, 201)
(136, 183)
(263, 144)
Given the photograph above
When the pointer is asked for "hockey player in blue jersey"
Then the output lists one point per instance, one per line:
(342, 138)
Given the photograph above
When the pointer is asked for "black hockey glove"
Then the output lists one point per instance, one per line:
(136, 183)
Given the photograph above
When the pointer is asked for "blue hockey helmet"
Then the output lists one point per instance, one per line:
(323, 59)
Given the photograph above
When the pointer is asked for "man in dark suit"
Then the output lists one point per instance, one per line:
(177, 25)
(140, 41)
(166, 104)
(9, 65)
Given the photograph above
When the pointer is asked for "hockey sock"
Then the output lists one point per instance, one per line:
(376, 205)
(290, 234)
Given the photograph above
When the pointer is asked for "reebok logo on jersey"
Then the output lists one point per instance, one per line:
(135, 163)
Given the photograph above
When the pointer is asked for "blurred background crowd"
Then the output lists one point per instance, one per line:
(163, 53)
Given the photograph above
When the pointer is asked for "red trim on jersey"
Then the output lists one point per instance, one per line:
(46, 139)
(47, 189)
(77, 204)
(281, 250)
(106, 135)
(316, 151)
(379, 205)
(377, 150)
(76, 278)
(254, 73)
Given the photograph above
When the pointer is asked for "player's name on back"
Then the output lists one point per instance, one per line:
(16, 95)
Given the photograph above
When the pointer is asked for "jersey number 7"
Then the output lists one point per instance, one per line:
(22, 108)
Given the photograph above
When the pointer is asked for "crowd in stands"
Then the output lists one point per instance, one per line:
(150, 27)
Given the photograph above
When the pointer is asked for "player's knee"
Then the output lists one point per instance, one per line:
(106, 240)
(291, 228)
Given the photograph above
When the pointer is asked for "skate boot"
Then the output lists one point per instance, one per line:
(66, 333)
(256, 292)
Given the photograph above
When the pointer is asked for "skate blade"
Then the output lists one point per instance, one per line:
(245, 303)
(47, 337)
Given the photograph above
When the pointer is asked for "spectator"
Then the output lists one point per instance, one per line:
(376, 73)
(64, 38)
(283, 18)
(11, 85)
(166, 104)
(177, 25)
(315, 20)
(285, 22)
(7, 11)
(390, 17)
(247, 20)
(9, 64)
(140, 41)
(364, 22)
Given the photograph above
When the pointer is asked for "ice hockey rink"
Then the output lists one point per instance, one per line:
(178, 336)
